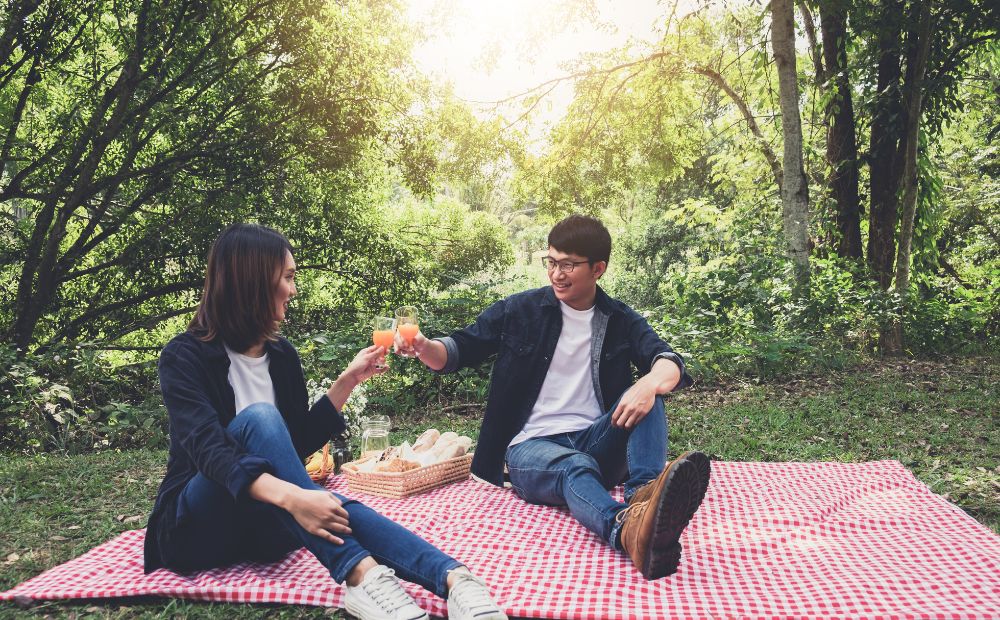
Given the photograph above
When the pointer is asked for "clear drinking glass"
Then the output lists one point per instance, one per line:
(383, 332)
(374, 435)
(407, 325)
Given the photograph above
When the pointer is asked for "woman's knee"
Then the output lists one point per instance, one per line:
(257, 418)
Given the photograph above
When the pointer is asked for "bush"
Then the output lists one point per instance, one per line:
(73, 399)
(409, 387)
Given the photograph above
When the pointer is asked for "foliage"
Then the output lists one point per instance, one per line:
(454, 243)
(125, 119)
(70, 399)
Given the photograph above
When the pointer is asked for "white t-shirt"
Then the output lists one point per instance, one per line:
(567, 401)
(250, 379)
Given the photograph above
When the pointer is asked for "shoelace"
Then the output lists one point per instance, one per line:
(387, 593)
(621, 516)
(471, 597)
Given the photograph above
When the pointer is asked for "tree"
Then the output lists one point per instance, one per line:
(841, 140)
(795, 187)
(136, 130)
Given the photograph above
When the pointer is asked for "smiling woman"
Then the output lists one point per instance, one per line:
(236, 488)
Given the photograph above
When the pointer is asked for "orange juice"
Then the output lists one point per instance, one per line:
(408, 331)
(383, 338)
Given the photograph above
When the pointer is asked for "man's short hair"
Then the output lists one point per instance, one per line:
(582, 235)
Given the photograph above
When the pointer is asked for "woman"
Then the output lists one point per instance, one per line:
(240, 425)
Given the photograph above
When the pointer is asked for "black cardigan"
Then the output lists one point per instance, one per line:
(194, 379)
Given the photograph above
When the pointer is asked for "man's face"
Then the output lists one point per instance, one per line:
(578, 287)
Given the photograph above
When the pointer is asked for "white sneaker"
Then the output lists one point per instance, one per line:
(379, 596)
(470, 599)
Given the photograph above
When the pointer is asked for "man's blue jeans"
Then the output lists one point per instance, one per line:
(577, 469)
(214, 530)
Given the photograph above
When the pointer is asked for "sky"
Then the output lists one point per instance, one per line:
(490, 50)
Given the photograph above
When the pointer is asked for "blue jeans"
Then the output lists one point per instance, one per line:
(578, 469)
(214, 530)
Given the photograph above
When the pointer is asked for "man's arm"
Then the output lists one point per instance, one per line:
(470, 346)
(432, 353)
(636, 402)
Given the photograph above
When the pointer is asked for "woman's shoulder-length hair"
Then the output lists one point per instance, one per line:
(237, 302)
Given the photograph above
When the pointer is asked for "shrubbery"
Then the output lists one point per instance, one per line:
(71, 399)
(729, 318)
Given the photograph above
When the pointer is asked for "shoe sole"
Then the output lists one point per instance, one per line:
(357, 613)
(682, 494)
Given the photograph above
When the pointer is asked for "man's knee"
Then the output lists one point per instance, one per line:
(580, 463)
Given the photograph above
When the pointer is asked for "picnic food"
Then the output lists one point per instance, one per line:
(315, 463)
(426, 440)
(396, 464)
(430, 447)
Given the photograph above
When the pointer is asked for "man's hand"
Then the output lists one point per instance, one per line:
(431, 352)
(414, 349)
(319, 513)
(634, 404)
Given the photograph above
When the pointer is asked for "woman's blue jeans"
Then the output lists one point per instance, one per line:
(215, 530)
(577, 469)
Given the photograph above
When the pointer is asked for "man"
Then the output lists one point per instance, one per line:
(564, 352)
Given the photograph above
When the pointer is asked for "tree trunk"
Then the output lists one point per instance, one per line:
(886, 143)
(795, 188)
(841, 142)
(914, 100)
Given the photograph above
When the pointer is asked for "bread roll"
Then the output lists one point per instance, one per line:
(442, 446)
(450, 451)
(465, 442)
(448, 436)
(396, 465)
(426, 440)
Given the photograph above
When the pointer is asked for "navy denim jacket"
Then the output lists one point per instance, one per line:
(523, 330)
(194, 379)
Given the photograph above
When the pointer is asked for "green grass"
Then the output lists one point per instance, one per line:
(939, 418)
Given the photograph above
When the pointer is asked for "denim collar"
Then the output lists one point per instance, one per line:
(602, 301)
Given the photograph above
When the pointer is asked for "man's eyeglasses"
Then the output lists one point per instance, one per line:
(565, 266)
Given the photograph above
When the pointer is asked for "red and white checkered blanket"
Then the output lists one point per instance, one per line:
(772, 539)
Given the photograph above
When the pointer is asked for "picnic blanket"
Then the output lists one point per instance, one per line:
(771, 539)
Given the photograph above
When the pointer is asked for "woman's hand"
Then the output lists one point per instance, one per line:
(369, 362)
(319, 513)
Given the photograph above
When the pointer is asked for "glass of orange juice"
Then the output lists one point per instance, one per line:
(383, 332)
(406, 323)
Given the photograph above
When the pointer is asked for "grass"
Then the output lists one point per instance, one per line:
(939, 418)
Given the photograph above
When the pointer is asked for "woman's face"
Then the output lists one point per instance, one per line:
(285, 289)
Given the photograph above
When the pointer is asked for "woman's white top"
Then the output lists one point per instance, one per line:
(250, 379)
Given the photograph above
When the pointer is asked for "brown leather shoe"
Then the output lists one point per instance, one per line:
(653, 521)
(645, 492)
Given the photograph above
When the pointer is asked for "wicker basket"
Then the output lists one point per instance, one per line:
(325, 468)
(398, 485)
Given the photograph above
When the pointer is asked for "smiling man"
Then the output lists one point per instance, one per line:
(564, 413)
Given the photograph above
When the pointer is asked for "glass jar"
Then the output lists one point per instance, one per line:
(374, 435)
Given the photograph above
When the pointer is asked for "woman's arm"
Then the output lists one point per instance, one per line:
(318, 512)
(361, 368)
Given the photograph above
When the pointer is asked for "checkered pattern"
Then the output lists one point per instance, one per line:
(772, 539)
